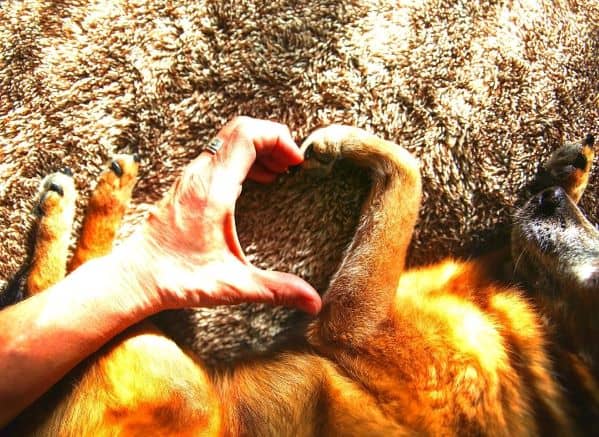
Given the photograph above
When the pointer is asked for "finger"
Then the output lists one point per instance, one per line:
(272, 164)
(235, 158)
(270, 139)
(232, 283)
(289, 290)
(279, 147)
(245, 141)
(261, 174)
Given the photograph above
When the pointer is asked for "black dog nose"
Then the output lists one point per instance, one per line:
(550, 199)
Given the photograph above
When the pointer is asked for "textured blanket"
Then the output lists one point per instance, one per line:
(479, 90)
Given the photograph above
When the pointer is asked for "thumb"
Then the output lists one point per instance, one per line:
(288, 290)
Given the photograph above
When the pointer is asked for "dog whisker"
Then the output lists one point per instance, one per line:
(517, 263)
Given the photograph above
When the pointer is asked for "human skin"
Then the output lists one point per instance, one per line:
(186, 254)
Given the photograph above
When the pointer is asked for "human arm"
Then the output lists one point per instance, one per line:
(186, 254)
(45, 336)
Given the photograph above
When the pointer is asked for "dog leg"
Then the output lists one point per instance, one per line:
(568, 167)
(141, 382)
(56, 210)
(105, 210)
(361, 293)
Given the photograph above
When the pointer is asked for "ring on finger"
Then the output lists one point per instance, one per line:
(213, 146)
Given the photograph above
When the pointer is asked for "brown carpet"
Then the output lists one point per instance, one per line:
(480, 91)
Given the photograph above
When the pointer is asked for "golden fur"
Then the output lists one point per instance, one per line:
(447, 349)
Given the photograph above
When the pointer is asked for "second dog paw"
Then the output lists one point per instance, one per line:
(324, 146)
(56, 195)
(568, 167)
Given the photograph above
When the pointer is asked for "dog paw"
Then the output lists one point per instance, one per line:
(568, 167)
(105, 209)
(55, 211)
(117, 180)
(56, 194)
(326, 145)
(122, 172)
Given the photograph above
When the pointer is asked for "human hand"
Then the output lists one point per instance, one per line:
(188, 253)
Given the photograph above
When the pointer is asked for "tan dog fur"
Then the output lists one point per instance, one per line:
(440, 350)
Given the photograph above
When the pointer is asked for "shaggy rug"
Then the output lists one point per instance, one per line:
(480, 91)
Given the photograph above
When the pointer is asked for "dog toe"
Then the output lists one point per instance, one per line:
(57, 191)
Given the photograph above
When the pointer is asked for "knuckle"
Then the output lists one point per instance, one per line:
(240, 126)
(240, 121)
(285, 129)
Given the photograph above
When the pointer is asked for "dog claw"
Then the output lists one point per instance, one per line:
(589, 140)
(116, 168)
(309, 152)
(56, 188)
(66, 170)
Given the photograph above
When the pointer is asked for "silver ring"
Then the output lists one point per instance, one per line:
(213, 146)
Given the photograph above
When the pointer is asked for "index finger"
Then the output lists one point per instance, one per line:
(275, 147)
(260, 148)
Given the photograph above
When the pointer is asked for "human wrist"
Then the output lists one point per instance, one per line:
(128, 287)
